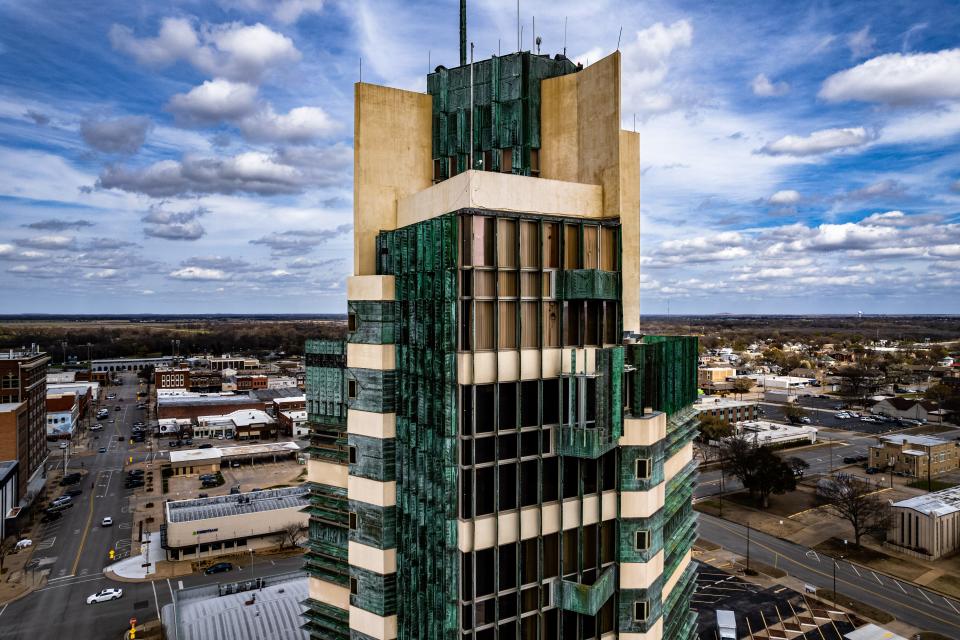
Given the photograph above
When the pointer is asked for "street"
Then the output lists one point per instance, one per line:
(75, 549)
(919, 607)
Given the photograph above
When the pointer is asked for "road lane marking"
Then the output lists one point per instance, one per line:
(86, 531)
(854, 567)
(61, 578)
(925, 596)
(900, 585)
(156, 600)
(4, 608)
(951, 605)
(826, 575)
(877, 577)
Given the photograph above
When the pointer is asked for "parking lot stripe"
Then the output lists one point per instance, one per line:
(925, 596)
(901, 586)
(877, 577)
(951, 605)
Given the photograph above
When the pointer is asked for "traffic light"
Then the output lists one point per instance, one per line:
(112, 554)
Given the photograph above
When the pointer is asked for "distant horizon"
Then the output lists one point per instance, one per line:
(267, 316)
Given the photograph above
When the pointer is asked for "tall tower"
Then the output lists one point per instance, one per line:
(514, 459)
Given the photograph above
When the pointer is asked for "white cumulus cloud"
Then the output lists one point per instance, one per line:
(785, 197)
(300, 125)
(213, 101)
(763, 87)
(818, 142)
(197, 273)
(898, 79)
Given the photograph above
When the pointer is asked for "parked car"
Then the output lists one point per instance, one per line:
(23, 544)
(849, 459)
(116, 408)
(205, 445)
(96, 427)
(135, 472)
(105, 595)
(173, 444)
(203, 495)
(73, 493)
(64, 445)
(188, 442)
(235, 490)
(872, 470)
(51, 516)
(862, 458)
(102, 450)
(106, 522)
(220, 567)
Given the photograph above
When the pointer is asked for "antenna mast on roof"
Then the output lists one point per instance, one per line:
(519, 29)
(463, 32)
(564, 36)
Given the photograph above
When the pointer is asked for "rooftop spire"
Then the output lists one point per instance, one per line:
(463, 32)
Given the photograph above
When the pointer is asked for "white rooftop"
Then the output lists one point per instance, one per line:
(923, 441)
(241, 417)
(939, 503)
(716, 402)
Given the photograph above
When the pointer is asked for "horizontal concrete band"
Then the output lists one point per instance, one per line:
(371, 424)
(489, 531)
(379, 627)
(371, 288)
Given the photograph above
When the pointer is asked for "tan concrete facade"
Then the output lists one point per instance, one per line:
(391, 159)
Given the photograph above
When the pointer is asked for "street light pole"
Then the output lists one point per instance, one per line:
(748, 546)
(253, 575)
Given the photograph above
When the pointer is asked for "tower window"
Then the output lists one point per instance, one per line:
(642, 540)
(643, 469)
(640, 611)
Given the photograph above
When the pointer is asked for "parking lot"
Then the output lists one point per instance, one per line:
(773, 612)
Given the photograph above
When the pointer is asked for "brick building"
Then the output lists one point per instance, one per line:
(193, 405)
(197, 380)
(910, 454)
(730, 411)
(23, 379)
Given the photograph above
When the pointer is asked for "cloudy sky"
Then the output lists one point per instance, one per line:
(195, 156)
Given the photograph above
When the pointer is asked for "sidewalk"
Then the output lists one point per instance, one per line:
(141, 566)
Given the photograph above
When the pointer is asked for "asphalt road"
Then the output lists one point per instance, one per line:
(75, 549)
(912, 604)
(825, 457)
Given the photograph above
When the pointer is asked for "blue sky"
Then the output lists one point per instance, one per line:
(195, 156)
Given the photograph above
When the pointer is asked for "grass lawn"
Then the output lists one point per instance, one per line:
(785, 505)
(948, 583)
(935, 485)
(872, 558)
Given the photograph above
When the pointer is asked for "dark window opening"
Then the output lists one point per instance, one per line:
(508, 486)
(551, 401)
(508, 406)
(353, 521)
(352, 389)
(484, 450)
(352, 322)
(354, 586)
(485, 572)
(507, 568)
(507, 447)
(352, 454)
(549, 484)
(528, 483)
(571, 480)
(529, 404)
(484, 409)
(643, 468)
(485, 490)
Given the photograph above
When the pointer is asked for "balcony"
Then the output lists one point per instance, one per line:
(586, 599)
(588, 284)
(583, 443)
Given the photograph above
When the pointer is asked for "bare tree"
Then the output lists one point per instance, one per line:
(291, 535)
(856, 501)
(798, 466)
(758, 468)
(742, 386)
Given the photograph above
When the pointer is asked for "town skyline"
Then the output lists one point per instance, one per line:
(186, 158)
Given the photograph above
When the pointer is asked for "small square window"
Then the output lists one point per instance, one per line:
(643, 540)
(352, 389)
(643, 468)
(355, 587)
(640, 611)
(352, 455)
(353, 521)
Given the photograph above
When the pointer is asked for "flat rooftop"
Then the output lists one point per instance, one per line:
(923, 441)
(214, 454)
(237, 504)
(9, 406)
(711, 402)
(938, 503)
(202, 399)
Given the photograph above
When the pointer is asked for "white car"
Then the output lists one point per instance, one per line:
(64, 445)
(105, 596)
(107, 522)
(23, 544)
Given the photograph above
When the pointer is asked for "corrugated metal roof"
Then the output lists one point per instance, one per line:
(237, 504)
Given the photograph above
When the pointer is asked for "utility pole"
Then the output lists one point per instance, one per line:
(748, 546)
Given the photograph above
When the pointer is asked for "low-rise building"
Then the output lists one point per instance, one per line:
(293, 423)
(232, 362)
(908, 408)
(911, 454)
(210, 527)
(727, 409)
(14, 438)
(281, 382)
(926, 526)
(172, 403)
(709, 376)
(174, 427)
(774, 434)
(114, 365)
(187, 462)
(9, 496)
(245, 424)
(782, 382)
(63, 414)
